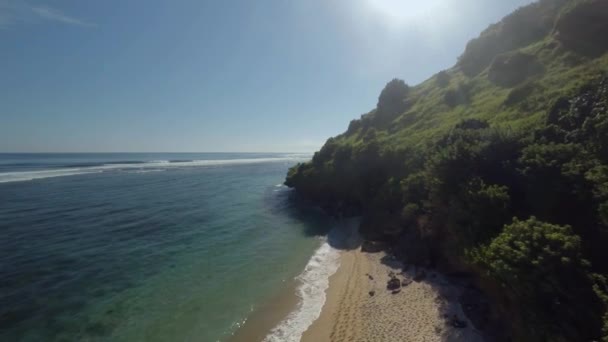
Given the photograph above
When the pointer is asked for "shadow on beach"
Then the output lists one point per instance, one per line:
(345, 234)
(341, 233)
(463, 307)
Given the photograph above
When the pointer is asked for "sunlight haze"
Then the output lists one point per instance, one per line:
(211, 75)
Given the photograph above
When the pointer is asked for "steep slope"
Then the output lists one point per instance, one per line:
(497, 166)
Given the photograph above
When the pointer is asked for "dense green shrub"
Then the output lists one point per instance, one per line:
(519, 93)
(510, 69)
(392, 100)
(443, 79)
(543, 265)
(457, 95)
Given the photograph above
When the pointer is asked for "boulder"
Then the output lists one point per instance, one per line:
(372, 246)
(393, 284)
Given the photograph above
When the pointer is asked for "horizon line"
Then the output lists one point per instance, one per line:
(107, 152)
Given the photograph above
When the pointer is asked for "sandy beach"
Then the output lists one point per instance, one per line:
(421, 311)
(359, 307)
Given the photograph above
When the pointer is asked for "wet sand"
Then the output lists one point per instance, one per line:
(263, 319)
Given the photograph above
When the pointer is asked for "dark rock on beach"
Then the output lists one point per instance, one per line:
(393, 284)
(372, 246)
(420, 275)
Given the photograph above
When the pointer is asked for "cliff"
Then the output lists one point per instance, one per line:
(497, 166)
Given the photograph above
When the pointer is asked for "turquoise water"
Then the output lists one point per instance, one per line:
(145, 247)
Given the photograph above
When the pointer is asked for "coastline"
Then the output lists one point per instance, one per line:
(421, 311)
(265, 318)
(287, 315)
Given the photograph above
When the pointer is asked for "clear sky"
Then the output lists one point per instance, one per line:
(214, 75)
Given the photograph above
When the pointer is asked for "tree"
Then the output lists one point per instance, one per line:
(392, 100)
(543, 265)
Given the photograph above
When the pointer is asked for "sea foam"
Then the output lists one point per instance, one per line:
(7, 177)
(314, 281)
(157, 165)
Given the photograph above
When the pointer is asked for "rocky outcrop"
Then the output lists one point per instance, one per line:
(393, 284)
(372, 246)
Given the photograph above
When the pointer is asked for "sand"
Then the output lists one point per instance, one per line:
(417, 313)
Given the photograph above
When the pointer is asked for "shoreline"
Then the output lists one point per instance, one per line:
(263, 319)
(357, 305)
(421, 311)
(286, 316)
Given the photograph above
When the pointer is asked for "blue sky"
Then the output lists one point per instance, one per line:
(198, 75)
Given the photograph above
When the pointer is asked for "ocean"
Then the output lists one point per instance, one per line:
(153, 246)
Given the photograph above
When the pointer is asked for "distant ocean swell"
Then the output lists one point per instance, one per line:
(314, 281)
(136, 166)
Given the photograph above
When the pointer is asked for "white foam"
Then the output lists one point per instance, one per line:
(146, 171)
(314, 281)
(6, 177)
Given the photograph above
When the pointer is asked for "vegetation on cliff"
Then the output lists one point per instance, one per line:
(499, 165)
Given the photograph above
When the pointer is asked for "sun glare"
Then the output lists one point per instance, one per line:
(401, 12)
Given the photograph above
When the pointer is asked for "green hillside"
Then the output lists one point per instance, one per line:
(497, 166)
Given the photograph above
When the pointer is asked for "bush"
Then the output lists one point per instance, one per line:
(519, 93)
(526, 251)
(392, 100)
(472, 124)
(443, 79)
(457, 96)
(510, 69)
(542, 264)
(409, 213)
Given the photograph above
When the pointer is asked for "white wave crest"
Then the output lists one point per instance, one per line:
(6, 177)
(314, 281)
(146, 171)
